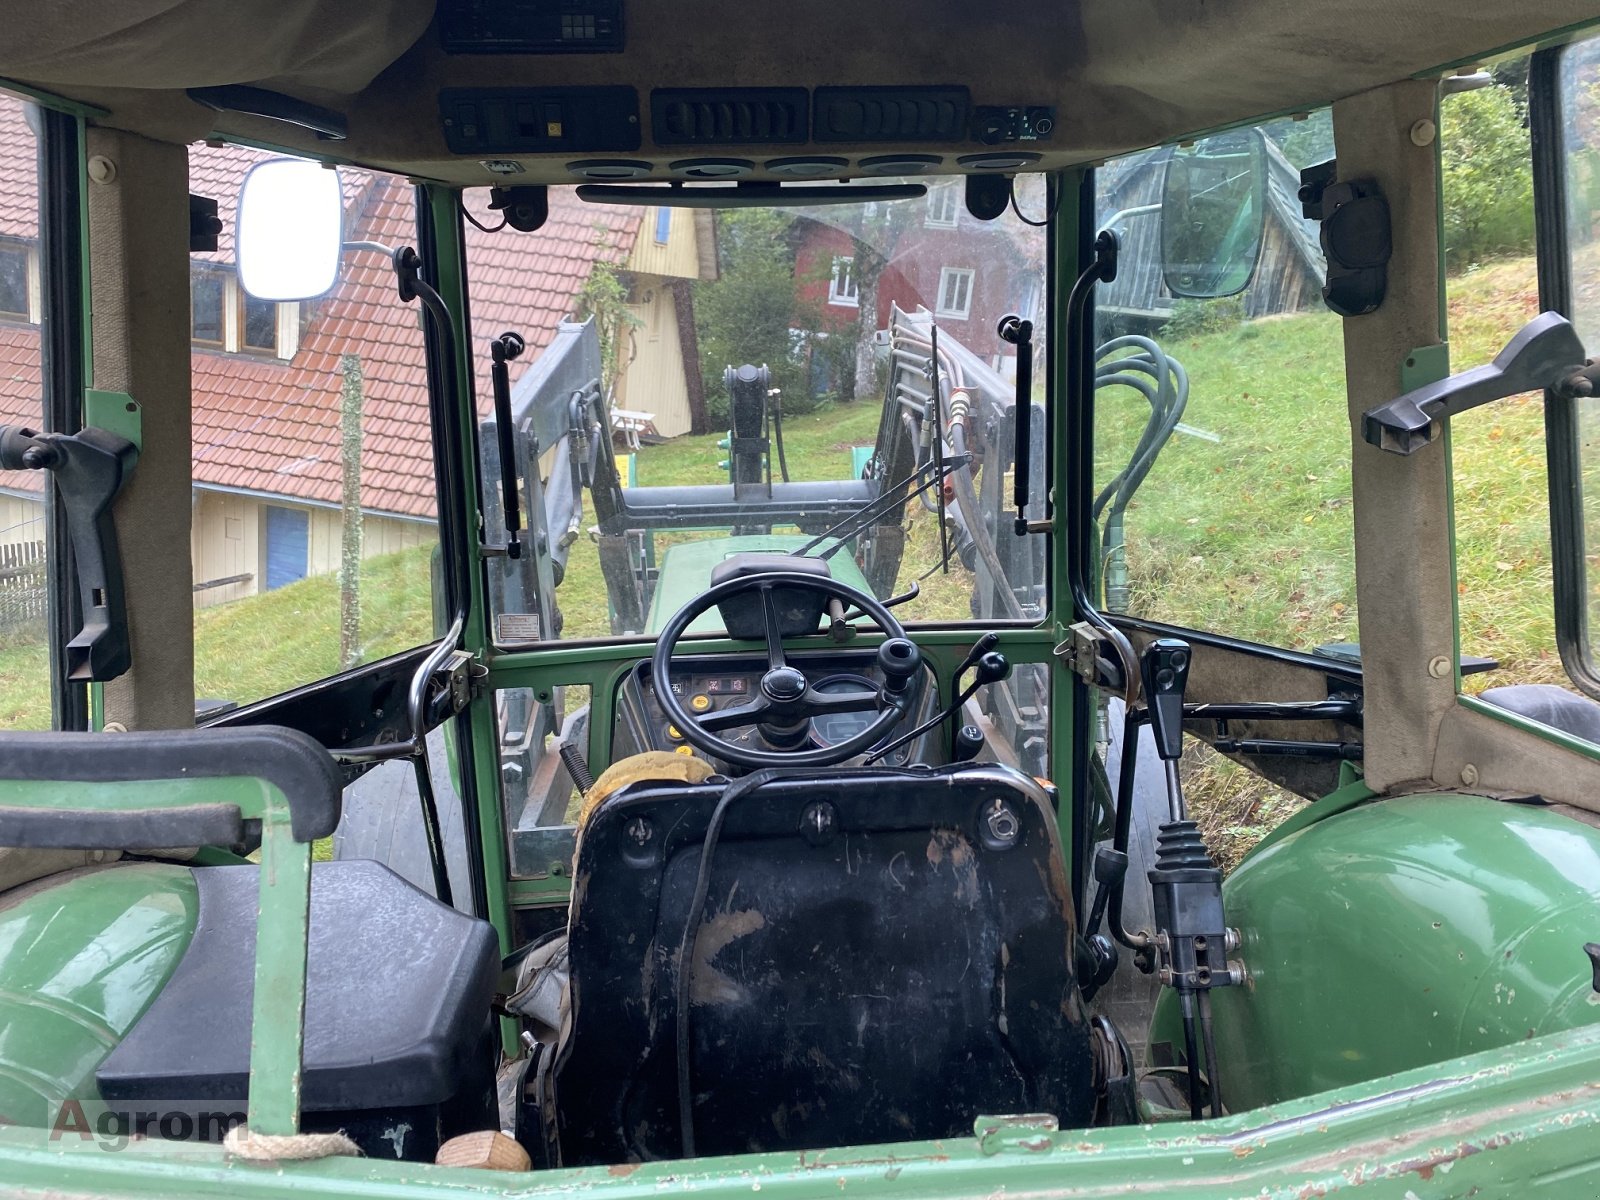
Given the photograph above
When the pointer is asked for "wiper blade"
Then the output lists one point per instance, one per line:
(880, 507)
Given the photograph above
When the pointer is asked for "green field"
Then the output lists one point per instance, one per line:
(1244, 527)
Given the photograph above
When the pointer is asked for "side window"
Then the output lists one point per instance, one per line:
(314, 506)
(1497, 452)
(1222, 444)
(24, 645)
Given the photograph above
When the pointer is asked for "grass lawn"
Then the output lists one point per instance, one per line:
(1244, 526)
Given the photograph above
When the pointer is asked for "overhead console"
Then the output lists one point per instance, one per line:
(608, 119)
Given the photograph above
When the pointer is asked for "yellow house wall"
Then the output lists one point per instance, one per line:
(679, 258)
(228, 541)
(652, 380)
(20, 520)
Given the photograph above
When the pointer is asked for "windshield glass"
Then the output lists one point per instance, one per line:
(759, 380)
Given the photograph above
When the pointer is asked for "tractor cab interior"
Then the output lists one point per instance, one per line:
(624, 586)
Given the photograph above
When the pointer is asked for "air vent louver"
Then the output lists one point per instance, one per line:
(891, 114)
(727, 116)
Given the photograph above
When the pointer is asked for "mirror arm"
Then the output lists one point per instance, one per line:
(1545, 354)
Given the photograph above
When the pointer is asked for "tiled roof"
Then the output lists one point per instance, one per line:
(19, 198)
(267, 425)
(270, 426)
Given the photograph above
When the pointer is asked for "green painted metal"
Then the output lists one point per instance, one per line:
(1400, 933)
(278, 1007)
(1346, 797)
(115, 412)
(81, 958)
(686, 573)
(277, 1028)
(443, 211)
(1499, 1123)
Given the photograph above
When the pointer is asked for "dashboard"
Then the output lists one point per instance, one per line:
(708, 684)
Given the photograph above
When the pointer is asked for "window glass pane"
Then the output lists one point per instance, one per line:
(1206, 411)
(24, 637)
(13, 279)
(840, 306)
(207, 299)
(314, 507)
(260, 329)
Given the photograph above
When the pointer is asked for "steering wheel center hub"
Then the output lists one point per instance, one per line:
(783, 685)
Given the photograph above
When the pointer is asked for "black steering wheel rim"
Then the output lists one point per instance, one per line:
(703, 739)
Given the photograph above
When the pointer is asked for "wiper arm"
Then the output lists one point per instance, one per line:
(883, 505)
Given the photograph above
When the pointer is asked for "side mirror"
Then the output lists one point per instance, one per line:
(290, 230)
(1213, 214)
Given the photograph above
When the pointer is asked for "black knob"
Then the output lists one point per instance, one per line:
(968, 744)
(1165, 672)
(899, 660)
(992, 668)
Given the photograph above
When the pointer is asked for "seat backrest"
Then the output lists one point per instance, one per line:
(883, 955)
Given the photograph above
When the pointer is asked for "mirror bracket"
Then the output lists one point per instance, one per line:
(1356, 237)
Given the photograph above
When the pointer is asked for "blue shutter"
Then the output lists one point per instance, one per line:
(288, 538)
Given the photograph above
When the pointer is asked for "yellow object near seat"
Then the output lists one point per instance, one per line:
(652, 764)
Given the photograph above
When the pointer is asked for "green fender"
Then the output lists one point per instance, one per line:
(81, 958)
(1398, 934)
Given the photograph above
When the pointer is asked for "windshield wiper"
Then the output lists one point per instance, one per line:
(881, 507)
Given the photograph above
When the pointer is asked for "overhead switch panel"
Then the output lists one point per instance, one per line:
(890, 114)
(540, 120)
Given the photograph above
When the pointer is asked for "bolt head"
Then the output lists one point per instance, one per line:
(1423, 133)
(1439, 667)
(639, 832)
(1469, 775)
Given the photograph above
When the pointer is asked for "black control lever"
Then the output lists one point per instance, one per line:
(89, 467)
(501, 351)
(1545, 353)
(1019, 333)
(992, 666)
(1192, 938)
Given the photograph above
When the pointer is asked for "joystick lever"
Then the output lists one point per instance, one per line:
(1192, 939)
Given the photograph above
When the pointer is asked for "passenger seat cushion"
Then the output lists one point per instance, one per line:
(1550, 705)
(397, 997)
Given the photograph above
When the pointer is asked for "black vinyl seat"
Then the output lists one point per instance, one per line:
(1550, 705)
(884, 955)
(398, 989)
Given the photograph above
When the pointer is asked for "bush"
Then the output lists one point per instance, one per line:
(1487, 177)
(1195, 318)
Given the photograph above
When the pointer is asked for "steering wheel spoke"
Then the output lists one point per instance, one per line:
(741, 714)
(822, 704)
(769, 609)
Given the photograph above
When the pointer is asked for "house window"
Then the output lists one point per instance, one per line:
(258, 324)
(842, 288)
(208, 302)
(224, 316)
(663, 225)
(955, 292)
(944, 206)
(13, 280)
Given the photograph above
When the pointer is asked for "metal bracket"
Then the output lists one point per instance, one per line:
(1080, 653)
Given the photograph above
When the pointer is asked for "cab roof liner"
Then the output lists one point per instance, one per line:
(1113, 75)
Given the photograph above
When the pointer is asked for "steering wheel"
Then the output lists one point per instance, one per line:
(785, 701)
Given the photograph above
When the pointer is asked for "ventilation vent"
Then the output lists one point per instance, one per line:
(891, 114)
(727, 116)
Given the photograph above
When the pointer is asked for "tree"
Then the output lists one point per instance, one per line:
(1487, 177)
(751, 312)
